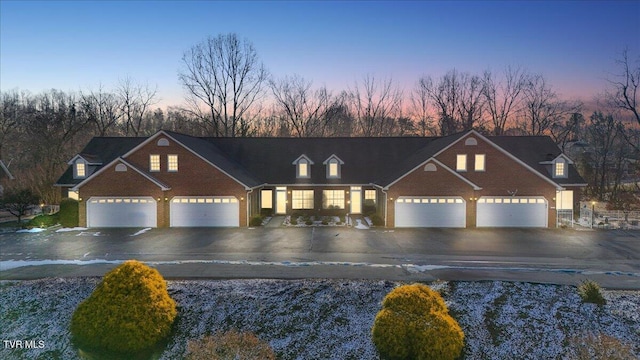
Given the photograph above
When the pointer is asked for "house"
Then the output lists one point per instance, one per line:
(463, 180)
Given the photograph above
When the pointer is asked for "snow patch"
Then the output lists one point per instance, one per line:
(13, 264)
(34, 230)
(141, 232)
(71, 229)
(360, 225)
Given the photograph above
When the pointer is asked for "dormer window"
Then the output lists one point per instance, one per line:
(560, 168)
(81, 169)
(303, 167)
(333, 164)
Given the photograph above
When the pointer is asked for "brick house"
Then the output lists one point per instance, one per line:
(463, 180)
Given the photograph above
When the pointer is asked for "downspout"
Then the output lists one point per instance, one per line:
(249, 206)
(386, 205)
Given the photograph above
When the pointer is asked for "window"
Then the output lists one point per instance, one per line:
(266, 199)
(559, 169)
(333, 164)
(333, 168)
(121, 168)
(302, 199)
(370, 197)
(172, 163)
(333, 199)
(461, 162)
(303, 169)
(479, 166)
(471, 141)
(80, 170)
(163, 142)
(154, 162)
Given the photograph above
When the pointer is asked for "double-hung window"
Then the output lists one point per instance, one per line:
(154, 163)
(172, 163)
(333, 199)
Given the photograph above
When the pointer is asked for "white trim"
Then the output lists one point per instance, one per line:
(162, 186)
(73, 160)
(562, 155)
(474, 186)
(303, 156)
(246, 187)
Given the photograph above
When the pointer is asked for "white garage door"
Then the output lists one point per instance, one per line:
(512, 211)
(121, 212)
(447, 212)
(204, 211)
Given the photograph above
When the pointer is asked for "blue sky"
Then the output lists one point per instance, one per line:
(79, 45)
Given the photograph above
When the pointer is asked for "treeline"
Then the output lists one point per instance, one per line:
(229, 92)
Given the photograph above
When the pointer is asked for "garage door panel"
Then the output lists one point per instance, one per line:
(512, 212)
(430, 212)
(121, 212)
(205, 212)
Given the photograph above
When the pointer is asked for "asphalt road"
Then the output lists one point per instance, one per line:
(540, 255)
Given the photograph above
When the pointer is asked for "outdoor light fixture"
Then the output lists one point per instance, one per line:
(241, 198)
(159, 198)
(166, 199)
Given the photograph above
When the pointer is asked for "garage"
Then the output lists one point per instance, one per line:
(204, 211)
(512, 211)
(443, 212)
(121, 212)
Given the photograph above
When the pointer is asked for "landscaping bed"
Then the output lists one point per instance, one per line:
(332, 319)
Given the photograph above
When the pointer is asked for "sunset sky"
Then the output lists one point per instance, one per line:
(80, 45)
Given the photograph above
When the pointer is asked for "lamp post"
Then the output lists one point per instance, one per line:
(593, 214)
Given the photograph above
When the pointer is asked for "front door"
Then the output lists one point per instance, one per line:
(356, 200)
(281, 200)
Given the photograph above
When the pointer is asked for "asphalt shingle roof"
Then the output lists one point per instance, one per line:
(381, 160)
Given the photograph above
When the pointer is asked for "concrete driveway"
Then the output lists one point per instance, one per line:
(557, 256)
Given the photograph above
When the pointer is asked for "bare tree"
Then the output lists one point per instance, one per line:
(421, 111)
(135, 100)
(224, 75)
(603, 134)
(564, 132)
(458, 99)
(102, 109)
(11, 109)
(374, 104)
(305, 110)
(542, 108)
(504, 97)
(624, 89)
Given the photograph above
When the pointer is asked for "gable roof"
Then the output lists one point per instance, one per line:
(101, 150)
(535, 151)
(145, 174)
(380, 161)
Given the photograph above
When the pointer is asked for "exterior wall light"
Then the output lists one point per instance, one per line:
(166, 199)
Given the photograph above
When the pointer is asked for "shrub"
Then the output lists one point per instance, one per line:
(590, 292)
(68, 213)
(44, 221)
(256, 221)
(600, 347)
(230, 345)
(377, 220)
(308, 222)
(293, 221)
(129, 311)
(414, 323)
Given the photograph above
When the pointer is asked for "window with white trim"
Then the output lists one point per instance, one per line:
(172, 163)
(333, 199)
(302, 199)
(480, 162)
(560, 169)
(154, 163)
(461, 162)
(370, 197)
(333, 172)
(81, 169)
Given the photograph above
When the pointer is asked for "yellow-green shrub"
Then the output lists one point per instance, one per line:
(129, 311)
(414, 323)
(230, 345)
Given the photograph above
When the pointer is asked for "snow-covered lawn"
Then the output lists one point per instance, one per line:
(331, 319)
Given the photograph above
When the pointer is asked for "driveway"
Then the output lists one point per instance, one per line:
(557, 256)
